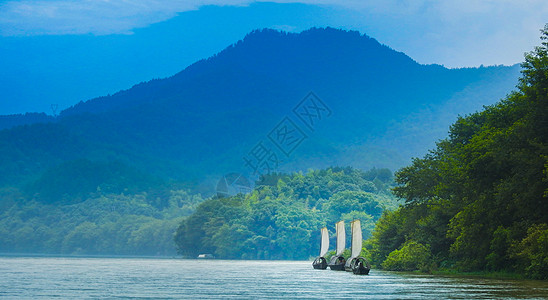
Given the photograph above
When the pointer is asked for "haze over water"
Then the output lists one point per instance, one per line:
(135, 278)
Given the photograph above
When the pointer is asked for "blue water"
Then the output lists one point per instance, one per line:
(131, 278)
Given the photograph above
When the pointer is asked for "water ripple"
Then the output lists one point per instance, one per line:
(134, 278)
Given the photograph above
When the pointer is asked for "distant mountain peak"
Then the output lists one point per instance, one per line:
(263, 51)
(201, 121)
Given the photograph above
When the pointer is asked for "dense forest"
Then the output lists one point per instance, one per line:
(479, 201)
(121, 174)
(107, 209)
(100, 223)
(281, 218)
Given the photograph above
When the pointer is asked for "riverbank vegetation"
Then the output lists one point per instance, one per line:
(103, 224)
(281, 218)
(479, 201)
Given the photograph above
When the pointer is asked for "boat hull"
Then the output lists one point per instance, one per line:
(358, 266)
(320, 263)
(337, 263)
(336, 267)
(361, 271)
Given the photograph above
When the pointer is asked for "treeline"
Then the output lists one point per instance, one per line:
(106, 224)
(281, 218)
(9, 121)
(479, 201)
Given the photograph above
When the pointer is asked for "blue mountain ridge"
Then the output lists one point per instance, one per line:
(204, 121)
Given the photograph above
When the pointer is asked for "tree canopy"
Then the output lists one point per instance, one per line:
(105, 223)
(479, 201)
(281, 218)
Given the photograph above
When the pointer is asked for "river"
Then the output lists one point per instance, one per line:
(143, 278)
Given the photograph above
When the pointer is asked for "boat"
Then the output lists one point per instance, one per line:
(320, 262)
(206, 256)
(337, 262)
(357, 264)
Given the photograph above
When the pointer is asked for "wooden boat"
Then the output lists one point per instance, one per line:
(337, 262)
(357, 264)
(320, 262)
(360, 266)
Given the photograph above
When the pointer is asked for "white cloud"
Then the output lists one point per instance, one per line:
(43, 17)
(286, 28)
(454, 32)
(38, 17)
(459, 32)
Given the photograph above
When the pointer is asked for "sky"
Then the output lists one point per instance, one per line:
(65, 51)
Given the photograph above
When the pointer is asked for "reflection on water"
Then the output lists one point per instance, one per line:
(108, 278)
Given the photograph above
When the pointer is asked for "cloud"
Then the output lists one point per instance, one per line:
(287, 28)
(43, 17)
(471, 32)
(453, 32)
(99, 17)
(459, 32)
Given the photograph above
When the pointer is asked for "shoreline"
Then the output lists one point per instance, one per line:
(473, 274)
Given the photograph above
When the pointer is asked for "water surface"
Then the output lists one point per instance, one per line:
(135, 278)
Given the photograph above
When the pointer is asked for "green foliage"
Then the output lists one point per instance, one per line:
(499, 258)
(107, 224)
(412, 256)
(479, 200)
(346, 202)
(532, 252)
(367, 221)
(386, 237)
(282, 220)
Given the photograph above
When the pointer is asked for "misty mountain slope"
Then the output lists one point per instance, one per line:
(10, 121)
(201, 122)
(273, 65)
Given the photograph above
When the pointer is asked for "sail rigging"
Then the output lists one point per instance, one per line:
(341, 238)
(325, 242)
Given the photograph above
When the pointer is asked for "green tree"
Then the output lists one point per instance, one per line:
(412, 256)
(478, 201)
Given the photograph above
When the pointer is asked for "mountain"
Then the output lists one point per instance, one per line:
(371, 106)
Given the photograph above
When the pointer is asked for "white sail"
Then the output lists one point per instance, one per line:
(341, 237)
(356, 238)
(325, 242)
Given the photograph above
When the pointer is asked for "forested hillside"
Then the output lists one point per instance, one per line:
(479, 201)
(103, 224)
(62, 179)
(281, 218)
(197, 125)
